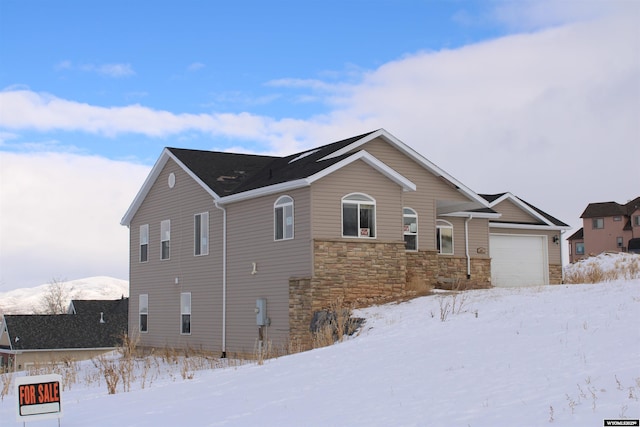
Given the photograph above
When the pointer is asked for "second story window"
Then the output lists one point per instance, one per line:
(636, 220)
(283, 218)
(201, 233)
(358, 216)
(165, 238)
(410, 229)
(144, 243)
(598, 223)
(579, 248)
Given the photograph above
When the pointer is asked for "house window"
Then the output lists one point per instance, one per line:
(165, 237)
(598, 223)
(444, 237)
(358, 216)
(144, 243)
(283, 218)
(579, 248)
(143, 310)
(619, 241)
(201, 233)
(636, 220)
(185, 313)
(410, 229)
(617, 218)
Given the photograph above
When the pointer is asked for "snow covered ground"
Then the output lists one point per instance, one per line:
(566, 355)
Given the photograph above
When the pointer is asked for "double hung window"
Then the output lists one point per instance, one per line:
(444, 237)
(165, 238)
(144, 243)
(410, 229)
(283, 218)
(201, 233)
(143, 310)
(185, 313)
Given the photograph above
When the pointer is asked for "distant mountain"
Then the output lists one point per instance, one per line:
(28, 300)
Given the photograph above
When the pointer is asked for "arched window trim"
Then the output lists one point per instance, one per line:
(407, 229)
(282, 230)
(360, 199)
(440, 225)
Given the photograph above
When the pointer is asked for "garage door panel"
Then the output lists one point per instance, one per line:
(518, 260)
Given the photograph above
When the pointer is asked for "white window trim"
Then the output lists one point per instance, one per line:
(142, 242)
(182, 313)
(165, 225)
(143, 308)
(410, 233)
(445, 224)
(371, 201)
(281, 203)
(204, 234)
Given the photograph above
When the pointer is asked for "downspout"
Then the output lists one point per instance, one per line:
(224, 278)
(466, 244)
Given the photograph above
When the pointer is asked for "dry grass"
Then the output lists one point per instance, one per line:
(624, 268)
(418, 286)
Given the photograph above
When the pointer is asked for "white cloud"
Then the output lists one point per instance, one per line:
(551, 116)
(109, 70)
(195, 66)
(60, 216)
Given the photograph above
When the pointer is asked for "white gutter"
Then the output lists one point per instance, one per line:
(224, 277)
(466, 244)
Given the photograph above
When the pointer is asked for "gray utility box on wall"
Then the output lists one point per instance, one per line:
(261, 312)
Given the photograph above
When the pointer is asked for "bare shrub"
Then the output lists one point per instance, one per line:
(110, 372)
(5, 382)
(418, 286)
(55, 299)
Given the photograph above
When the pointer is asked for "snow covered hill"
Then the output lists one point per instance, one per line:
(27, 300)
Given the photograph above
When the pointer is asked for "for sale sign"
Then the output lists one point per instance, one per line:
(39, 397)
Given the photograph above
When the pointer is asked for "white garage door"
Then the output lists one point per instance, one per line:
(518, 260)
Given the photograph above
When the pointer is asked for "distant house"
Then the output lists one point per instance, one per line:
(606, 226)
(91, 328)
(227, 250)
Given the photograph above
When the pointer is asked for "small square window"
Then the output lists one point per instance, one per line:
(598, 223)
(619, 241)
(617, 218)
(579, 248)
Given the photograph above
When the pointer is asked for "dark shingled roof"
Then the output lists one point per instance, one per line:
(604, 209)
(64, 331)
(578, 235)
(97, 306)
(227, 173)
(555, 221)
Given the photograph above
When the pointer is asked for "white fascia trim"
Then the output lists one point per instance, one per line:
(406, 184)
(264, 191)
(151, 179)
(526, 226)
(415, 156)
(473, 214)
(522, 206)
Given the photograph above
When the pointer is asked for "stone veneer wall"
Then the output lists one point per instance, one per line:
(362, 273)
(555, 274)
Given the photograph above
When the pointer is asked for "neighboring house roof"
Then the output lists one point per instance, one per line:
(535, 212)
(96, 306)
(64, 331)
(578, 235)
(231, 177)
(604, 209)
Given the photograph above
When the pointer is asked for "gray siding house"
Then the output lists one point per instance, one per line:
(228, 250)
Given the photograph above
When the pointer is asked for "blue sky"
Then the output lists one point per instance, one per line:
(536, 97)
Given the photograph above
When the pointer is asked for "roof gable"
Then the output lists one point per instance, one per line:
(536, 213)
(230, 177)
